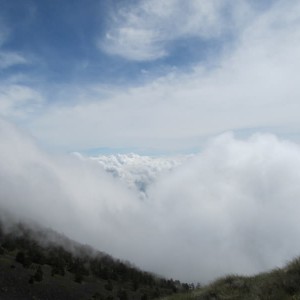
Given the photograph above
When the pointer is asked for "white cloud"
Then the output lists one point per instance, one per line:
(8, 59)
(138, 172)
(231, 209)
(40, 187)
(135, 44)
(17, 101)
(142, 31)
(254, 86)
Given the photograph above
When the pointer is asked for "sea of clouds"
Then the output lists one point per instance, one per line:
(233, 208)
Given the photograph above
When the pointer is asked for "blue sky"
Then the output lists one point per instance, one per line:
(150, 76)
(61, 39)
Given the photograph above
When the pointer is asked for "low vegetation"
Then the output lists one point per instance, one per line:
(279, 284)
(33, 266)
(31, 269)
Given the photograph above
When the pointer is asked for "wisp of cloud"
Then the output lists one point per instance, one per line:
(233, 208)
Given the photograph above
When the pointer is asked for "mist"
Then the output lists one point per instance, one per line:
(233, 208)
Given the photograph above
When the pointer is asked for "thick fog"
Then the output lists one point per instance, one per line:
(233, 208)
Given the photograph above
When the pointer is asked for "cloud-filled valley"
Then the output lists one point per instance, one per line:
(233, 208)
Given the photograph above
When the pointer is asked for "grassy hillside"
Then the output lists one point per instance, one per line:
(34, 265)
(279, 284)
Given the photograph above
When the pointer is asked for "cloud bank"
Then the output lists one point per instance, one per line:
(233, 208)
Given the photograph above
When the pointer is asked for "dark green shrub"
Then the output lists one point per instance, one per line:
(78, 277)
(122, 294)
(98, 296)
(108, 286)
(23, 259)
(38, 276)
(144, 297)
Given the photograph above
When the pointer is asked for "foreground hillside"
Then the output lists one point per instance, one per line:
(34, 265)
(279, 284)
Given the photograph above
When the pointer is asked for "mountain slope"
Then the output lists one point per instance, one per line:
(279, 284)
(41, 264)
